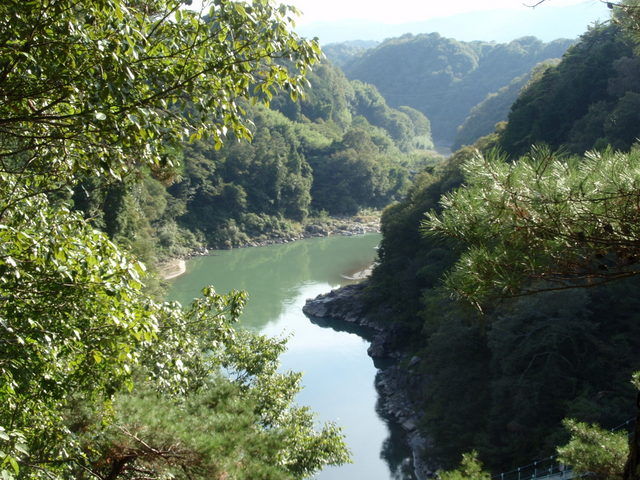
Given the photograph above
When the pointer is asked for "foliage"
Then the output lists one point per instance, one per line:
(200, 423)
(357, 172)
(587, 101)
(409, 262)
(599, 453)
(563, 222)
(457, 401)
(500, 382)
(91, 94)
(244, 192)
(73, 320)
(103, 80)
(252, 185)
(484, 117)
(216, 431)
(405, 125)
(470, 469)
(341, 53)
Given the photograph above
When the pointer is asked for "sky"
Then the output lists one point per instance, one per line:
(402, 11)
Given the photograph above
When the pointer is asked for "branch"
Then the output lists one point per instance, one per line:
(535, 4)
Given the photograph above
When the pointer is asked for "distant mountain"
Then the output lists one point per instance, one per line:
(546, 22)
(445, 78)
(341, 53)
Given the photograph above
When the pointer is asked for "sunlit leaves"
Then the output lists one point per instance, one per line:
(470, 469)
(565, 221)
(76, 328)
(96, 88)
(595, 451)
(118, 84)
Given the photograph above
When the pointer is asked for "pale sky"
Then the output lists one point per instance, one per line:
(401, 11)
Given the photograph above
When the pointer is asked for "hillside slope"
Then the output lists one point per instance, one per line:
(445, 78)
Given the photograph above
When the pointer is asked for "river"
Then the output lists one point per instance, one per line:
(338, 375)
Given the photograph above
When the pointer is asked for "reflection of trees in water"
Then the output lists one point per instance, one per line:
(273, 275)
(342, 326)
(395, 449)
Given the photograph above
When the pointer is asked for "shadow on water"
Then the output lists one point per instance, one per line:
(338, 378)
(273, 274)
(395, 450)
(341, 326)
(366, 333)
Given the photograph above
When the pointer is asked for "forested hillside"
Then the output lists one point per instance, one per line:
(341, 53)
(589, 100)
(495, 107)
(338, 149)
(124, 139)
(505, 292)
(445, 78)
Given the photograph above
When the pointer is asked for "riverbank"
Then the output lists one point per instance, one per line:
(395, 377)
(316, 227)
(172, 269)
(322, 227)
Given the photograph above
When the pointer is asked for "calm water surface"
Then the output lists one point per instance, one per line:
(338, 374)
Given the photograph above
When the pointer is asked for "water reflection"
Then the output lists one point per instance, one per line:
(395, 451)
(271, 275)
(338, 375)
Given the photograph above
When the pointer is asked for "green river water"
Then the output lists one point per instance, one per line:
(338, 374)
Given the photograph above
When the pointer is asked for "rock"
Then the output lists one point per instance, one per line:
(409, 425)
(376, 350)
(393, 382)
(316, 230)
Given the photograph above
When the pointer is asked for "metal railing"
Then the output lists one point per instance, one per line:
(548, 468)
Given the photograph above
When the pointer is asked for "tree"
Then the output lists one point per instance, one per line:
(120, 83)
(95, 90)
(470, 469)
(594, 451)
(544, 222)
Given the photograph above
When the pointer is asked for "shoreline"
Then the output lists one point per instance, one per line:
(172, 269)
(344, 308)
(176, 267)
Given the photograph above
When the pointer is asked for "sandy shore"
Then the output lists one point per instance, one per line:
(172, 269)
(359, 275)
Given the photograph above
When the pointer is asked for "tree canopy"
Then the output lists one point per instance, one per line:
(561, 222)
(585, 102)
(444, 78)
(97, 379)
(121, 82)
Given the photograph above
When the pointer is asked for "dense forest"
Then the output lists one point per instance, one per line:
(504, 291)
(231, 193)
(136, 131)
(590, 100)
(445, 78)
(484, 117)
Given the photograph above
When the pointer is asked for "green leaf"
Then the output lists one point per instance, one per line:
(14, 465)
